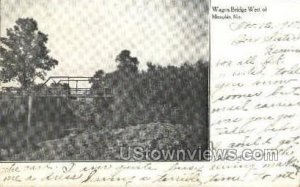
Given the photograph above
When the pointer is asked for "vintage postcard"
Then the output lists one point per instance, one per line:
(150, 93)
(104, 80)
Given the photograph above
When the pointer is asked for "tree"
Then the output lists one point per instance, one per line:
(60, 87)
(24, 55)
(151, 67)
(126, 62)
(97, 81)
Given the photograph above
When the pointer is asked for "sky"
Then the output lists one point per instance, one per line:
(87, 35)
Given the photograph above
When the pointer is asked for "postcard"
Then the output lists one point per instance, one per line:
(149, 93)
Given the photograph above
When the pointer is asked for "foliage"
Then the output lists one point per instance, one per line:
(98, 82)
(105, 144)
(126, 63)
(177, 95)
(60, 88)
(50, 117)
(24, 55)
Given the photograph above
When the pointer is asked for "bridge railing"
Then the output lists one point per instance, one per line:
(58, 92)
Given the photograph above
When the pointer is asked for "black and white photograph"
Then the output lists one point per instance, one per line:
(104, 80)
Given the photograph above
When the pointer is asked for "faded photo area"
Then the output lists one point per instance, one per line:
(104, 80)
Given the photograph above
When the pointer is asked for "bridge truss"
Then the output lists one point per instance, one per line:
(62, 88)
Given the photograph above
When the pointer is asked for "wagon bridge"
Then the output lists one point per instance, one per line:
(63, 88)
(55, 92)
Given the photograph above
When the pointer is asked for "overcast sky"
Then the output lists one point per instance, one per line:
(86, 35)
